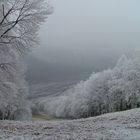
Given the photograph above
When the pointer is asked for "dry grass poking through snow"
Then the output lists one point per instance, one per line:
(114, 126)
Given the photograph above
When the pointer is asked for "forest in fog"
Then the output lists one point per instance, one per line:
(114, 89)
(111, 90)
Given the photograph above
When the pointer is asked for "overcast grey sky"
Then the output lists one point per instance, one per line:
(80, 31)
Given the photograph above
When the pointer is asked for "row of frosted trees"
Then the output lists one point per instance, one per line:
(19, 24)
(112, 90)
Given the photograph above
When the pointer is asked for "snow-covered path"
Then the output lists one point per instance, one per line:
(114, 126)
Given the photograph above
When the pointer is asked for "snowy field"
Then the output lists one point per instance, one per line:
(114, 126)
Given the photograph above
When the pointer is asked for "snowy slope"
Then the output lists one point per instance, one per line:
(40, 93)
(49, 89)
(114, 126)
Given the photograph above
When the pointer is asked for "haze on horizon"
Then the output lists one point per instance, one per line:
(89, 33)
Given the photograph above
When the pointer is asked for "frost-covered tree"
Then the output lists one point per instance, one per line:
(112, 90)
(19, 24)
(124, 88)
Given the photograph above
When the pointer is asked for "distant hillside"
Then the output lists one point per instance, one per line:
(39, 93)
(45, 90)
(39, 71)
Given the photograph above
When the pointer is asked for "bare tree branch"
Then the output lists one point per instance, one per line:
(20, 17)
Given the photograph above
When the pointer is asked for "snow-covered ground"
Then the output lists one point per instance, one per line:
(114, 126)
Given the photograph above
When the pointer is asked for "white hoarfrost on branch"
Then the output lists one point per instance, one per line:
(19, 24)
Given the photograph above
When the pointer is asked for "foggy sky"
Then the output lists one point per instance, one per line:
(84, 31)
